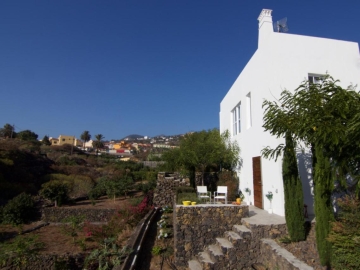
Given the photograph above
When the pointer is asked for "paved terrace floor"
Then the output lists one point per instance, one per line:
(261, 217)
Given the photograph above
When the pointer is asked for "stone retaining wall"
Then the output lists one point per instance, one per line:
(74, 262)
(58, 214)
(275, 257)
(197, 226)
(166, 187)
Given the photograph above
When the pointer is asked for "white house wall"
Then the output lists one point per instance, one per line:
(282, 61)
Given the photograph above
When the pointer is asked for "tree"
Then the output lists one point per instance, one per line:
(294, 198)
(56, 191)
(27, 135)
(98, 143)
(46, 141)
(7, 131)
(204, 150)
(322, 117)
(85, 136)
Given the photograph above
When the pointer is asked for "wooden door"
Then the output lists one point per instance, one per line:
(256, 163)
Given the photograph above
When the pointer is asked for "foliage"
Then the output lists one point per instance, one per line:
(323, 117)
(20, 251)
(106, 257)
(56, 191)
(156, 250)
(204, 151)
(99, 142)
(229, 179)
(166, 209)
(27, 135)
(85, 137)
(118, 186)
(294, 198)
(72, 225)
(240, 195)
(81, 186)
(345, 235)
(323, 206)
(7, 131)
(187, 197)
(269, 195)
(65, 160)
(45, 140)
(19, 210)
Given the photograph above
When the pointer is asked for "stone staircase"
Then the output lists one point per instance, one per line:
(237, 249)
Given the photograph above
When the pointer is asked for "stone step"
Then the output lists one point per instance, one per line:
(215, 253)
(205, 261)
(224, 244)
(243, 231)
(233, 237)
(194, 265)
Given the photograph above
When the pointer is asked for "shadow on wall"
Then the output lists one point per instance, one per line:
(305, 172)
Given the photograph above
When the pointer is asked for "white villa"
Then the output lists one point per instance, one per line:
(281, 61)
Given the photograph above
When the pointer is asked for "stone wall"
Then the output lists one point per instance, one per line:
(166, 187)
(197, 226)
(58, 214)
(74, 262)
(275, 257)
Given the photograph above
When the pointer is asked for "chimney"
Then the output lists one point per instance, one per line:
(265, 26)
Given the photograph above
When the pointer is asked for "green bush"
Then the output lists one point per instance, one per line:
(20, 252)
(81, 185)
(187, 197)
(185, 190)
(56, 191)
(19, 210)
(345, 235)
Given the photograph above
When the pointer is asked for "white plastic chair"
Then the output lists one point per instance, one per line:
(203, 194)
(220, 194)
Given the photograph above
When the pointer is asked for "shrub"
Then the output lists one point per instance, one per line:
(345, 235)
(19, 210)
(56, 191)
(106, 257)
(71, 225)
(185, 190)
(187, 197)
(20, 251)
(81, 186)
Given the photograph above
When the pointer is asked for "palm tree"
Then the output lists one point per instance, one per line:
(85, 137)
(98, 143)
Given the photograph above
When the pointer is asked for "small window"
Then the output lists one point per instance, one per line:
(236, 120)
(315, 79)
(63, 140)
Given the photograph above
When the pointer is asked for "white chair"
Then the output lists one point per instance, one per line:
(220, 194)
(203, 194)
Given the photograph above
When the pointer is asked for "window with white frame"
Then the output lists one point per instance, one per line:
(236, 120)
(315, 78)
(248, 111)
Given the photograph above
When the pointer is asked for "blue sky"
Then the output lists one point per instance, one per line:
(144, 67)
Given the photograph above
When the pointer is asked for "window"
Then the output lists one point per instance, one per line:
(248, 111)
(236, 120)
(316, 79)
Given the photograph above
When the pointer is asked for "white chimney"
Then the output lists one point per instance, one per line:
(265, 26)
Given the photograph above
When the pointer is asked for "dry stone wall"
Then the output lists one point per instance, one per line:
(197, 226)
(166, 187)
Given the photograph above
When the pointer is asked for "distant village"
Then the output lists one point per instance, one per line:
(124, 148)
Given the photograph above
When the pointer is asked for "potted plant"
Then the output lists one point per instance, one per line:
(269, 195)
(239, 197)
